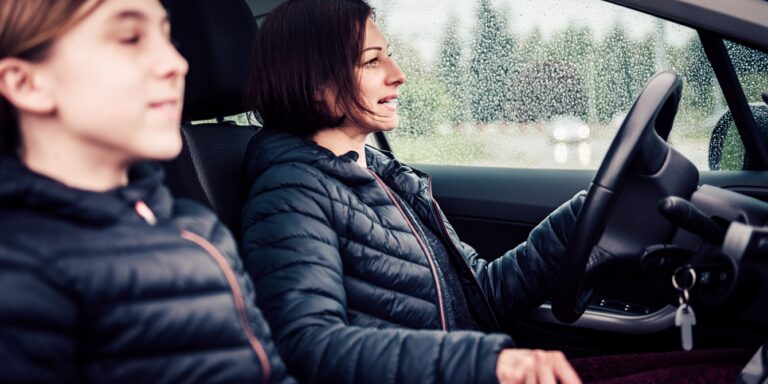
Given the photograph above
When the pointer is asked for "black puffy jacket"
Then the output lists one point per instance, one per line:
(92, 292)
(348, 287)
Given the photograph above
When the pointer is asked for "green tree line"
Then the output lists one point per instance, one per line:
(509, 78)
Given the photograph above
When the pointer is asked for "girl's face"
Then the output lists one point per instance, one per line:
(380, 77)
(116, 83)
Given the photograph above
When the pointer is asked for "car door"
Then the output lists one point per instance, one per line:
(488, 85)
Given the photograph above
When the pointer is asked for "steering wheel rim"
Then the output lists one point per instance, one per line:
(639, 146)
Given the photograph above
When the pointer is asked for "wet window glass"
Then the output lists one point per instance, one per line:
(726, 148)
(244, 119)
(752, 69)
(539, 83)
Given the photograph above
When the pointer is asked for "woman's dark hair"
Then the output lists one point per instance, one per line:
(303, 49)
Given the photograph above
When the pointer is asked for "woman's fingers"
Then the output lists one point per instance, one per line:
(564, 371)
(523, 366)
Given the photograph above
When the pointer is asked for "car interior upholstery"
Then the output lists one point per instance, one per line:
(215, 37)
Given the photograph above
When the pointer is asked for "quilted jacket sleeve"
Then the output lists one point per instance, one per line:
(37, 342)
(522, 279)
(291, 252)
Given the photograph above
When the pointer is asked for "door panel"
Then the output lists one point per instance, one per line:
(493, 209)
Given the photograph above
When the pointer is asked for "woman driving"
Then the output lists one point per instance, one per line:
(359, 273)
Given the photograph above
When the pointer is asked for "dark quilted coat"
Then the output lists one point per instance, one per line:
(347, 286)
(91, 292)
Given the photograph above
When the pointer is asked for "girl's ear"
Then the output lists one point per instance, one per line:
(21, 85)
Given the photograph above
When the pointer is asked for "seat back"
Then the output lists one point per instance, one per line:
(210, 169)
(216, 39)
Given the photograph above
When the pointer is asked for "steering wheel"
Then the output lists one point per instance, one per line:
(639, 147)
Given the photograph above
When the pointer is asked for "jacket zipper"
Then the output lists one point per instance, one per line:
(238, 297)
(444, 230)
(421, 244)
(143, 210)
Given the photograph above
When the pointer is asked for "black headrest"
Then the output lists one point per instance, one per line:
(212, 35)
(210, 169)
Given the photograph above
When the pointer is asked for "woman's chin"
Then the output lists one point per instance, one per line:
(389, 125)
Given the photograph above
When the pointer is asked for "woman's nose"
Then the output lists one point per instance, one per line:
(396, 74)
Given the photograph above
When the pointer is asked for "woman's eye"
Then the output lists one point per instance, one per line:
(372, 62)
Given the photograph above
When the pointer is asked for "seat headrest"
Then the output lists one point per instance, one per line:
(216, 38)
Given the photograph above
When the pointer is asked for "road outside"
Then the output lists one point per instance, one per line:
(523, 147)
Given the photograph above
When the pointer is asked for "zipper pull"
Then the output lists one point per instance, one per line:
(143, 210)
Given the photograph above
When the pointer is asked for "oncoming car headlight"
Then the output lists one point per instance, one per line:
(583, 132)
(559, 133)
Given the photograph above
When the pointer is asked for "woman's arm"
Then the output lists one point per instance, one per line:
(522, 279)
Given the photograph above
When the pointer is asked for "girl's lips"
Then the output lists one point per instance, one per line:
(170, 108)
(163, 103)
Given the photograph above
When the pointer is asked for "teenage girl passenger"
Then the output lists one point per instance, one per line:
(104, 277)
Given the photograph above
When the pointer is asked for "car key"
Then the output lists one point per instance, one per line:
(685, 318)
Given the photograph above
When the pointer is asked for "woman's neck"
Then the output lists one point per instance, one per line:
(70, 161)
(341, 140)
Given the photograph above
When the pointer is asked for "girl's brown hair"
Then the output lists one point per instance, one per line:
(27, 30)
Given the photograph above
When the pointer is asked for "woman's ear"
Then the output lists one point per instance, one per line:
(329, 96)
(20, 84)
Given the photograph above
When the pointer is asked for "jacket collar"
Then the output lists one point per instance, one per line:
(26, 189)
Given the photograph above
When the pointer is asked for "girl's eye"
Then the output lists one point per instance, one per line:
(130, 39)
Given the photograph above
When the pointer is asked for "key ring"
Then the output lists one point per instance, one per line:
(693, 278)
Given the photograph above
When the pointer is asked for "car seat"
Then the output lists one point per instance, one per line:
(216, 39)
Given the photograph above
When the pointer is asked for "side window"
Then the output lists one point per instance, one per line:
(245, 118)
(537, 84)
(260, 8)
(751, 66)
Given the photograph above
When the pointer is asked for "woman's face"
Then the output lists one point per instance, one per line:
(380, 77)
(117, 83)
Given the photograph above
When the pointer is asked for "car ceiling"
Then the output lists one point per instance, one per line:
(745, 21)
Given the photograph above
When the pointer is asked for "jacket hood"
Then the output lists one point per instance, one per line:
(26, 189)
(269, 147)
